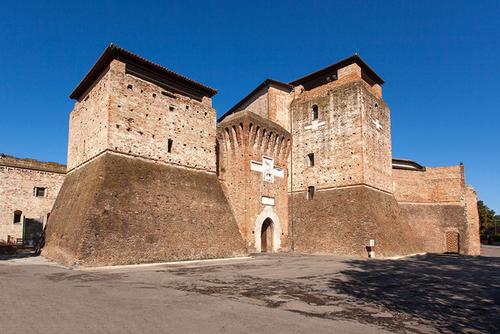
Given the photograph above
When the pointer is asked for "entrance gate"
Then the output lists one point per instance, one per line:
(452, 242)
(266, 236)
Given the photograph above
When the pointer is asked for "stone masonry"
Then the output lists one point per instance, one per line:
(19, 179)
(253, 167)
(341, 181)
(141, 183)
(437, 201)
(304, 166)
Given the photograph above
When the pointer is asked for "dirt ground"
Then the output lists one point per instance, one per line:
(270, 293)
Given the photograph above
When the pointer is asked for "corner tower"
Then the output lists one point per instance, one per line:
(341, 189)
(141, 183)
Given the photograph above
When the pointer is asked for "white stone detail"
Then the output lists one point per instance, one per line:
(377, 124)
(268, 212)
(268, 200)
(266, 167)
(314, 125)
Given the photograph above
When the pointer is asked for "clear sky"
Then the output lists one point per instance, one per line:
(439, 60)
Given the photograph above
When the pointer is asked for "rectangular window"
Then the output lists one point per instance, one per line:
(310, 159)
(39, 191)
(310, 192)
(17, 216)
(169, 145)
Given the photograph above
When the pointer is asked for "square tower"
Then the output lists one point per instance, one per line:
(253, 167)
(341, 188)
(131, 106)
(141, 183)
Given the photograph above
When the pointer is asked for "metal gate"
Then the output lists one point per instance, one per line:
(452, 242)
(32, 230)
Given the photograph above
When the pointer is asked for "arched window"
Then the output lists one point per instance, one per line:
(310, 160)
(17, 216)
(315, 112)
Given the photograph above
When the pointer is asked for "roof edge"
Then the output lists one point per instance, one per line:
(355, 58)
(407, 165)
(32, 164)
(264, 84)
(113, 51)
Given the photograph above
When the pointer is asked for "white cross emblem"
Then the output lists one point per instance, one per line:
(314, 125)
(266, 167)
(377, 124)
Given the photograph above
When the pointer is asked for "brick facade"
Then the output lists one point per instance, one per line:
(436, 201)
(247, 142)
(18, 180)
(303, 166)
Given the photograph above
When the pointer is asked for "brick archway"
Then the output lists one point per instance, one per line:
(268, 214)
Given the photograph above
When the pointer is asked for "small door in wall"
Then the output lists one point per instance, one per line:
(452, 242)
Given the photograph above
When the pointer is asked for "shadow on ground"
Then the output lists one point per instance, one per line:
(456, 293)
(19, 255)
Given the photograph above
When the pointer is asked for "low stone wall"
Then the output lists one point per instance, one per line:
(342, 221)
(434, 185)
(430, 222)
(436, 201)
(122, 210)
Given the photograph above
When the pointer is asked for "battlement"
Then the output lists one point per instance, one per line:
(253, 166)
(32, 164)
(248, 130)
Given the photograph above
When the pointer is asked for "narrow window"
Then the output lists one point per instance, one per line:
(17, 216)
(169, 145)
(39, 191)
(315, 112)
(310, 159)
(310, 192)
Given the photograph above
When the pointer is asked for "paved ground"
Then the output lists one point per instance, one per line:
(278, 294)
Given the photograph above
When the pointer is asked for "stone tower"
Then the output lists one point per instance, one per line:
(253, 166)
(341, 190)
(141, 183)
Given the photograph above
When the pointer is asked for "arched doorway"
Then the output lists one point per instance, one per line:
(452, 242)
(268, 228)
(266, 236)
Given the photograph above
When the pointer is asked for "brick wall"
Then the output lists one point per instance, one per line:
(377, 145)
(348, 147)
(279, 106)
(18, 178)
(342, 221)
(144, 117)
(126, 114)
(335, 141)
(89, 122)
(437, 201)
(434, 185)
(245, 137)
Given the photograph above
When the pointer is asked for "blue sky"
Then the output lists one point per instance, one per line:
(439, 60)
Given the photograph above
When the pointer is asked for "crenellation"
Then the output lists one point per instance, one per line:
(242, 171)
(304, 166)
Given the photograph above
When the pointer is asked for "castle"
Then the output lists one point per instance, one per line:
(304, 166)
